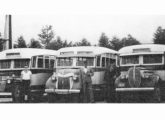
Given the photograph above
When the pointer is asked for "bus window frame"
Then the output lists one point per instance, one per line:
(104, 61)
(65, 65)
(152, 63)
(43, 57)
(129, 64)
(85, 57)
(13, 63)
(45, 61)
(97, 61)
(54, 63)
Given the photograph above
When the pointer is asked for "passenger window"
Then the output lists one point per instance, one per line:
(46, 61)
(34, 62)
(98, 61)
(112, 61)
(103, 61)
(51, 63)
(40, 62)
(107, 61)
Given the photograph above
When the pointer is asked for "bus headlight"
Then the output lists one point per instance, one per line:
(146, 76)
(75, 77)
(54, 79)
(123, 76)
(121, 84)
(8, 81)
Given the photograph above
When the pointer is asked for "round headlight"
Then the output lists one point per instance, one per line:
(8, 81)
(75, 77)
(123, 76)
(53, 78)
(146, 76)
(121, 85)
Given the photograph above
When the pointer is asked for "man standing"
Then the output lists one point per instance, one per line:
(86, 74)
(110, 76)
(26, 78)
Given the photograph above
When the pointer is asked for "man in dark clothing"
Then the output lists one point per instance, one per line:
(86, 74)
(110, 76)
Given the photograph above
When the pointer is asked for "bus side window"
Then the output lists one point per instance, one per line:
(112, 61)
(98, 61)
(103, 62)
(40, 62)
(46, 61)
(107, 61)
(51, 63)
(34, 61)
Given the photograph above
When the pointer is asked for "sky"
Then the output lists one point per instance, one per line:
(73, 22)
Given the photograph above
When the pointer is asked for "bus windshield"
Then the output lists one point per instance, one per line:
(21, 63)
(67, 61)
(5, 64)
(80, 61)
(130, 59)
(150, 59)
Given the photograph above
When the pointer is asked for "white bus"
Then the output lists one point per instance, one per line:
(12, 62)
(69, 62)
(142, 71)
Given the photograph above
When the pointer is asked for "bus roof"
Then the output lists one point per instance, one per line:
(25, 53)
(93, 50)
(143, 49)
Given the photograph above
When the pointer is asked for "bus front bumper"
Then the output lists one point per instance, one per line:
(62, 91)
(135, 89)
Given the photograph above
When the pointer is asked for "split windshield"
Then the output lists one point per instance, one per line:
(68, 61)
(17, 63)
(21, 63)
(5, 64)
(150, 59)
(145, 59)
(80, 61)
(130, 59)
(65, 61)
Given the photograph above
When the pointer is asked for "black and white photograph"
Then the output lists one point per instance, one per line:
(91, 53)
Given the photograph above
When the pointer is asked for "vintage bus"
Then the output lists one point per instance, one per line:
(69, 62)
(12, 62)
(142, 73)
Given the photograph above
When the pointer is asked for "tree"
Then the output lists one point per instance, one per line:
(66, 44)
(159, 36)
(129, 40)
(34, 44)
(46, 35)
(116, 43)
(55, 44)
(83, 42)
(20, 43)
(126, 41)
(104, 41)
